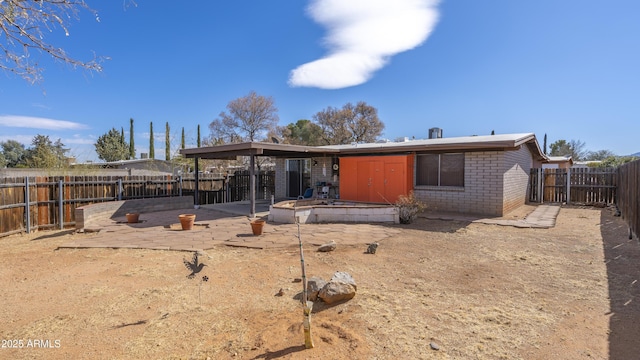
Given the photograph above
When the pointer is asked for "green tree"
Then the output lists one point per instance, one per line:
(46, 154)
(359, 123)
(132, 148)
(615, 161)
(599, 155)
(198, 141)
(3, 161)
(152, 150)
(248, 119)
(23, 26)
(110, 146)
(574, 148)
(302, 132)
(182, 139)
(167, 145)
(14, 153)
(544, 148)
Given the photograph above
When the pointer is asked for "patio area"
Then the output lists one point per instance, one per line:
(228, 224)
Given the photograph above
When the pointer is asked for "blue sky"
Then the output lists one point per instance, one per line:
(567, 68)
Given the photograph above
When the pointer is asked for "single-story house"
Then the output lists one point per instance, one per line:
(486, 175)
(558, 162)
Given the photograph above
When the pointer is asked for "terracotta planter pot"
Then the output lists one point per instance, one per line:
(133, 218)
(256, 226)
(187, 220)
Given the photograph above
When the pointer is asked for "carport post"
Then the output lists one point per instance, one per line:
(252, 185)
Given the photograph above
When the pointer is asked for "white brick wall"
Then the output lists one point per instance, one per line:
(517, 165)
(482, 192)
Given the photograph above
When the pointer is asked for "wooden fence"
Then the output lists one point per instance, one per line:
(29, 203)
(629, 195)
(577, 185)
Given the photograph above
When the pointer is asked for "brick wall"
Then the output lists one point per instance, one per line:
(495, 182)
(517, 165)
(281, 179)
(482, 192)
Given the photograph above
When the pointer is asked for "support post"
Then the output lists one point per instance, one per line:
(196, 193)
(61, 203)
(120, 189)
(252, 185)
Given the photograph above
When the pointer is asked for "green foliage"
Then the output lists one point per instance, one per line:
(599, 155)
(574, 148)
(303, 132)
(152, 150)
(46, 154)
(544, 147)
(132, 148)
(182, 139)
(111, 146)
(615, 161)
(198, 143)
(167, 144)
(408, 208)
(3, 161)
(13, 153)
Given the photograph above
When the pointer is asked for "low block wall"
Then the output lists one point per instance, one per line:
(89, 214)
(310, 211)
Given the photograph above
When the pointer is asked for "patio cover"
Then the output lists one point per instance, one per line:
(251, 149)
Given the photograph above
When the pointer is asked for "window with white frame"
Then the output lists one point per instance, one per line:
(440, 169)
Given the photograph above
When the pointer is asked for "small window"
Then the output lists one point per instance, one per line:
(440, 170)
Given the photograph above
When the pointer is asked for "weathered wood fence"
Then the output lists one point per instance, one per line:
(577, 185)
(629, 195)
(31, 203)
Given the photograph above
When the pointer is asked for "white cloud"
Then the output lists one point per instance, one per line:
(362, 36)
(39, 123)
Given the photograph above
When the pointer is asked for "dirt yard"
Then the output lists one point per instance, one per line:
(439, 290)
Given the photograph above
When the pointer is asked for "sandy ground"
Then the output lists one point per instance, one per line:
(473, 291)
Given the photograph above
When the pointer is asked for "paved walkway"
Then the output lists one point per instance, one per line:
(228, 224)
(543, 217)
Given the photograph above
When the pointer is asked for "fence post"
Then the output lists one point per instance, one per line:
(541, 185)
(26, 201)
(120, 189)
(61, 203)
(568, 186)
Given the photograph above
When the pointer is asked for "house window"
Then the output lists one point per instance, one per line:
(440, 169)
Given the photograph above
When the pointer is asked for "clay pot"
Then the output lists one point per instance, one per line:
(187, 220)
(256, 226)
(133, 218)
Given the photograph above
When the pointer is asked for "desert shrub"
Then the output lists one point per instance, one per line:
(408, 208)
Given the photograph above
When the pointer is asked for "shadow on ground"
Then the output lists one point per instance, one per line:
(622, 257)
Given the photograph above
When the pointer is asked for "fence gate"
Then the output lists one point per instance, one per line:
(578, 185)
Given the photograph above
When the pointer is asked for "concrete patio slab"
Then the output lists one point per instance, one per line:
(214, 228)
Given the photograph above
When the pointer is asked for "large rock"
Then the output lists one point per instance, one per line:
(344, 277)
(341, 287)
(314, 284)
(327, 247)
(336, 291)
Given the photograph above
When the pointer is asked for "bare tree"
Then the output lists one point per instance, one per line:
(23, 26)
(359, 123)
(248, 118)
(574, 148)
